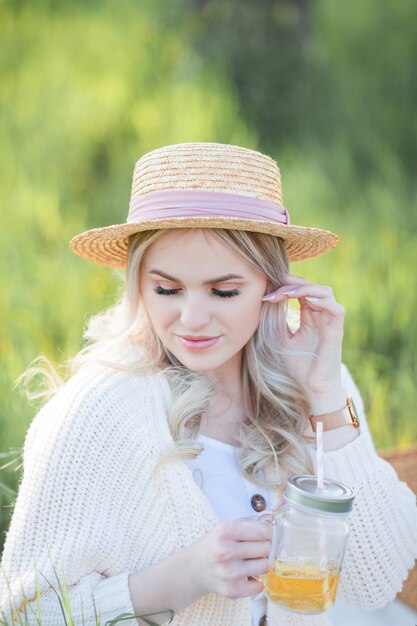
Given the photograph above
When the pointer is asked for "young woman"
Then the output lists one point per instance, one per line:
(187, 410)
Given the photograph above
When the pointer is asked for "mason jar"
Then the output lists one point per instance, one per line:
(308, 545)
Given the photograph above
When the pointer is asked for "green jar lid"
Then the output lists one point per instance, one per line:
(335, 497)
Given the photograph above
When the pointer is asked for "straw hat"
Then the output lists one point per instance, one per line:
(203, 185)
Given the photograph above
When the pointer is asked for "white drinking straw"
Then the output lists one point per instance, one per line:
(319, 455)
(319, 487)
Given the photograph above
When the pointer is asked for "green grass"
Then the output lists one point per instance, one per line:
(23, 615)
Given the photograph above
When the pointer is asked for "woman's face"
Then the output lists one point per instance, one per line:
(185, 289)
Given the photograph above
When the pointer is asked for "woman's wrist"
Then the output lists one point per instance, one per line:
(321, 404)
(327, 402)
(339, 437)
(158, 588)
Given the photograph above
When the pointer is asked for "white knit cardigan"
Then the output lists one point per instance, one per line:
(87, 493)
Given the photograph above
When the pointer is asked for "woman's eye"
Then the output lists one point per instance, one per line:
(217, 292)
(165, 292)
(226, 294)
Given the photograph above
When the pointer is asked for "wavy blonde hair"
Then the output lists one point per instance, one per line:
(272, 444)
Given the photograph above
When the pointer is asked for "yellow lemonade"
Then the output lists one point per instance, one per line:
(302, 588)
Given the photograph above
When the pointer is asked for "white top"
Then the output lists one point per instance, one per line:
(216, 471)
(88, 492)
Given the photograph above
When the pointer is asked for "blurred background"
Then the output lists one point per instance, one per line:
(326, 88)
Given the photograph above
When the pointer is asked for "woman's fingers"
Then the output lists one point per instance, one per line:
(290, 280)
(244, 588)
(241, 577)
(326, 304)
(252, 567)
(319, 332)
(319, 297)
(252, 549)
(299, 291)
(293, 279)
(240, 551)
(247, 529)
(229, 551)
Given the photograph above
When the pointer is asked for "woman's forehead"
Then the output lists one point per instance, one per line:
(191, 242)
(196, 251)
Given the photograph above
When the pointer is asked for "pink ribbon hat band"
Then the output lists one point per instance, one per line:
(157, 205)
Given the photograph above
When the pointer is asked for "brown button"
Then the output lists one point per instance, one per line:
(258, 503)
(263, 621)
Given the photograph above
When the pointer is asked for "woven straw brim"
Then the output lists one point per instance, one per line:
(108, 245)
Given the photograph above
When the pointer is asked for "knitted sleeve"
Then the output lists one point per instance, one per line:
(382, 545)
(76, 458)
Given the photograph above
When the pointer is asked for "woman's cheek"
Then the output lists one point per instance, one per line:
(248, 316)
(253, 308)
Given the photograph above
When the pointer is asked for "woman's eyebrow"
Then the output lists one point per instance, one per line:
(221, 279)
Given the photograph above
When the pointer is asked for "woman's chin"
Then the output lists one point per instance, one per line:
(201, 364)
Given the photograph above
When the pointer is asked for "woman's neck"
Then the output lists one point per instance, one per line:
(226, 410)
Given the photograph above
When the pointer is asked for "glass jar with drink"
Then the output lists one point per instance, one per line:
(308, 545)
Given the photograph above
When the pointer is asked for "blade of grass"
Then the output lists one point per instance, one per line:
(59, 599)
(125, 616)
(7, 489)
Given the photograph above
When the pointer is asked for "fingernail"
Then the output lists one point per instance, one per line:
(312, 299)
(269, 296)
(289, 290)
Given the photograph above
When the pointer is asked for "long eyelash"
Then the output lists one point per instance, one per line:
(222, 294)
(164, 292)
(227, 294)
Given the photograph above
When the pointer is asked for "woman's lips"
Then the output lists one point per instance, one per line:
(199, 344)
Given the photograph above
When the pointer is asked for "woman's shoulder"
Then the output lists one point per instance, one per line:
(100, 401)
(103, 383)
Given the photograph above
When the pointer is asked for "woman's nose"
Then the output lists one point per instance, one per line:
(194, 313)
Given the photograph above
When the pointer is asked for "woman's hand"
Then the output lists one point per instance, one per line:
(320, 333)
(220, 562)
(229, 555)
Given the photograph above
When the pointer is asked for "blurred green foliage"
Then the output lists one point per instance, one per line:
(324, 87)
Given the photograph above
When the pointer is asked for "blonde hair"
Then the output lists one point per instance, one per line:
(275, 405)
